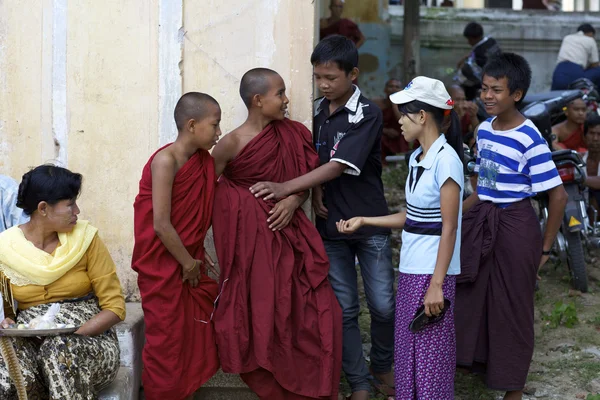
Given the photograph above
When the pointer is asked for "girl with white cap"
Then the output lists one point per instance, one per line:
(425, 344)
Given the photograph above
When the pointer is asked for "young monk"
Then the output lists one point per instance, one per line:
(569, 133)
(172, 213)
(278, 323)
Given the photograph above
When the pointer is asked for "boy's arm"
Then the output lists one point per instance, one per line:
(163, 174)
(557, 201)
(223, 153)
(273, 190)
(449, 201)
(352, 152)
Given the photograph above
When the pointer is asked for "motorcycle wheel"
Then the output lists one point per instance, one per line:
(576, 261)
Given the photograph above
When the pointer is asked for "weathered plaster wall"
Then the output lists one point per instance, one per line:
(92, 85)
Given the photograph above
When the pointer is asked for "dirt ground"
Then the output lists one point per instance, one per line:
(566, 360)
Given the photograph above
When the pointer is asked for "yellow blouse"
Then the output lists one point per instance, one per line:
(95, 272)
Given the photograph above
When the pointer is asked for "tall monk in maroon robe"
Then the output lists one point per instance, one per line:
(180, 352)
(278, 323)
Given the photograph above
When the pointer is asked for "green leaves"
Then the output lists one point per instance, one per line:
(562, 314)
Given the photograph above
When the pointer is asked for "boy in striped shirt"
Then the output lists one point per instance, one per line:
(502, 245)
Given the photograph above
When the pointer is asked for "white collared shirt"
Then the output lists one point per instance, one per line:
(423, 228)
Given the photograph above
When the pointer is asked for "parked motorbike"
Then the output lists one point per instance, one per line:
(577, 228)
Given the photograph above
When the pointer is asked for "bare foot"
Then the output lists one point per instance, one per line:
(387, 378)
(513, 395)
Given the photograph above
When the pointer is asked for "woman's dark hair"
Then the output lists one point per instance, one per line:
(338, 49)
(586, 28)
(592, 120)
(514, 68)
(473, 30)
(47, 183)
(447, 124)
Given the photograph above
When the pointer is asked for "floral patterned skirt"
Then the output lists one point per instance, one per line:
(67, 367)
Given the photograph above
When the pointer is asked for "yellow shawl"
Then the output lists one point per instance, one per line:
(24, 264)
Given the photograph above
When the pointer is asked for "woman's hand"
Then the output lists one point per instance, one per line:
(434, 300)
(350, 226)
(6, 323)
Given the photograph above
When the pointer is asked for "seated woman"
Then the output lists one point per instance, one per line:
(569, 133)
(54, 258)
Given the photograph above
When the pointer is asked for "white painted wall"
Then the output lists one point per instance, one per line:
(92, 85)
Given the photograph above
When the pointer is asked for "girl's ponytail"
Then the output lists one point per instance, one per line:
(453, 132)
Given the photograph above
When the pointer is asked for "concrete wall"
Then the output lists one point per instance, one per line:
(92, 85)
(536, 35)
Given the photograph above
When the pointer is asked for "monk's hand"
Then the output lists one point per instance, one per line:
(434, 300)
(269, 190)
(210, 265)
(349, 226)
(191, 273)
(283, 212)
(7, 323)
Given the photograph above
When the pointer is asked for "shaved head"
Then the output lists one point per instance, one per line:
(256, 81)
(193, 105)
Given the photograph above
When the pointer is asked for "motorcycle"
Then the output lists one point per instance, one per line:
(577, 228)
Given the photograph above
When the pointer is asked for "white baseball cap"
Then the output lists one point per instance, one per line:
(427, 90)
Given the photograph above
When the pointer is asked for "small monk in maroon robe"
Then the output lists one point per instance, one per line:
(277, 321)
(336, 25)
(172, 214)
(392, 140)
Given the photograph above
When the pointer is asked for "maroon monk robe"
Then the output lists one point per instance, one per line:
(180, 353)
(277, 321)
(391, 146)
(343, 27)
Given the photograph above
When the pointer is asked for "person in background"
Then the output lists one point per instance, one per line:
(336, 25)
(482, 46)
(569, 133)
(466, 110)
(10, 214)
(577, 58)
(392, 141)
(592, 137)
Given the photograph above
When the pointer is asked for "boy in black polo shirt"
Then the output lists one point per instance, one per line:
(347, 131)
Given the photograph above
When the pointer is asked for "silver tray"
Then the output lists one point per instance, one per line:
(36, 332)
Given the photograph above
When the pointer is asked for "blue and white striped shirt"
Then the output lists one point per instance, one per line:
(513, 165)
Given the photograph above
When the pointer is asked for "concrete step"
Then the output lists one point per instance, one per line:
(130, 333)
(224, 386)
(224, 394)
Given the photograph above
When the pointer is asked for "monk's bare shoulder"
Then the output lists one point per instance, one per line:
(165, 162)
(559, 129)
